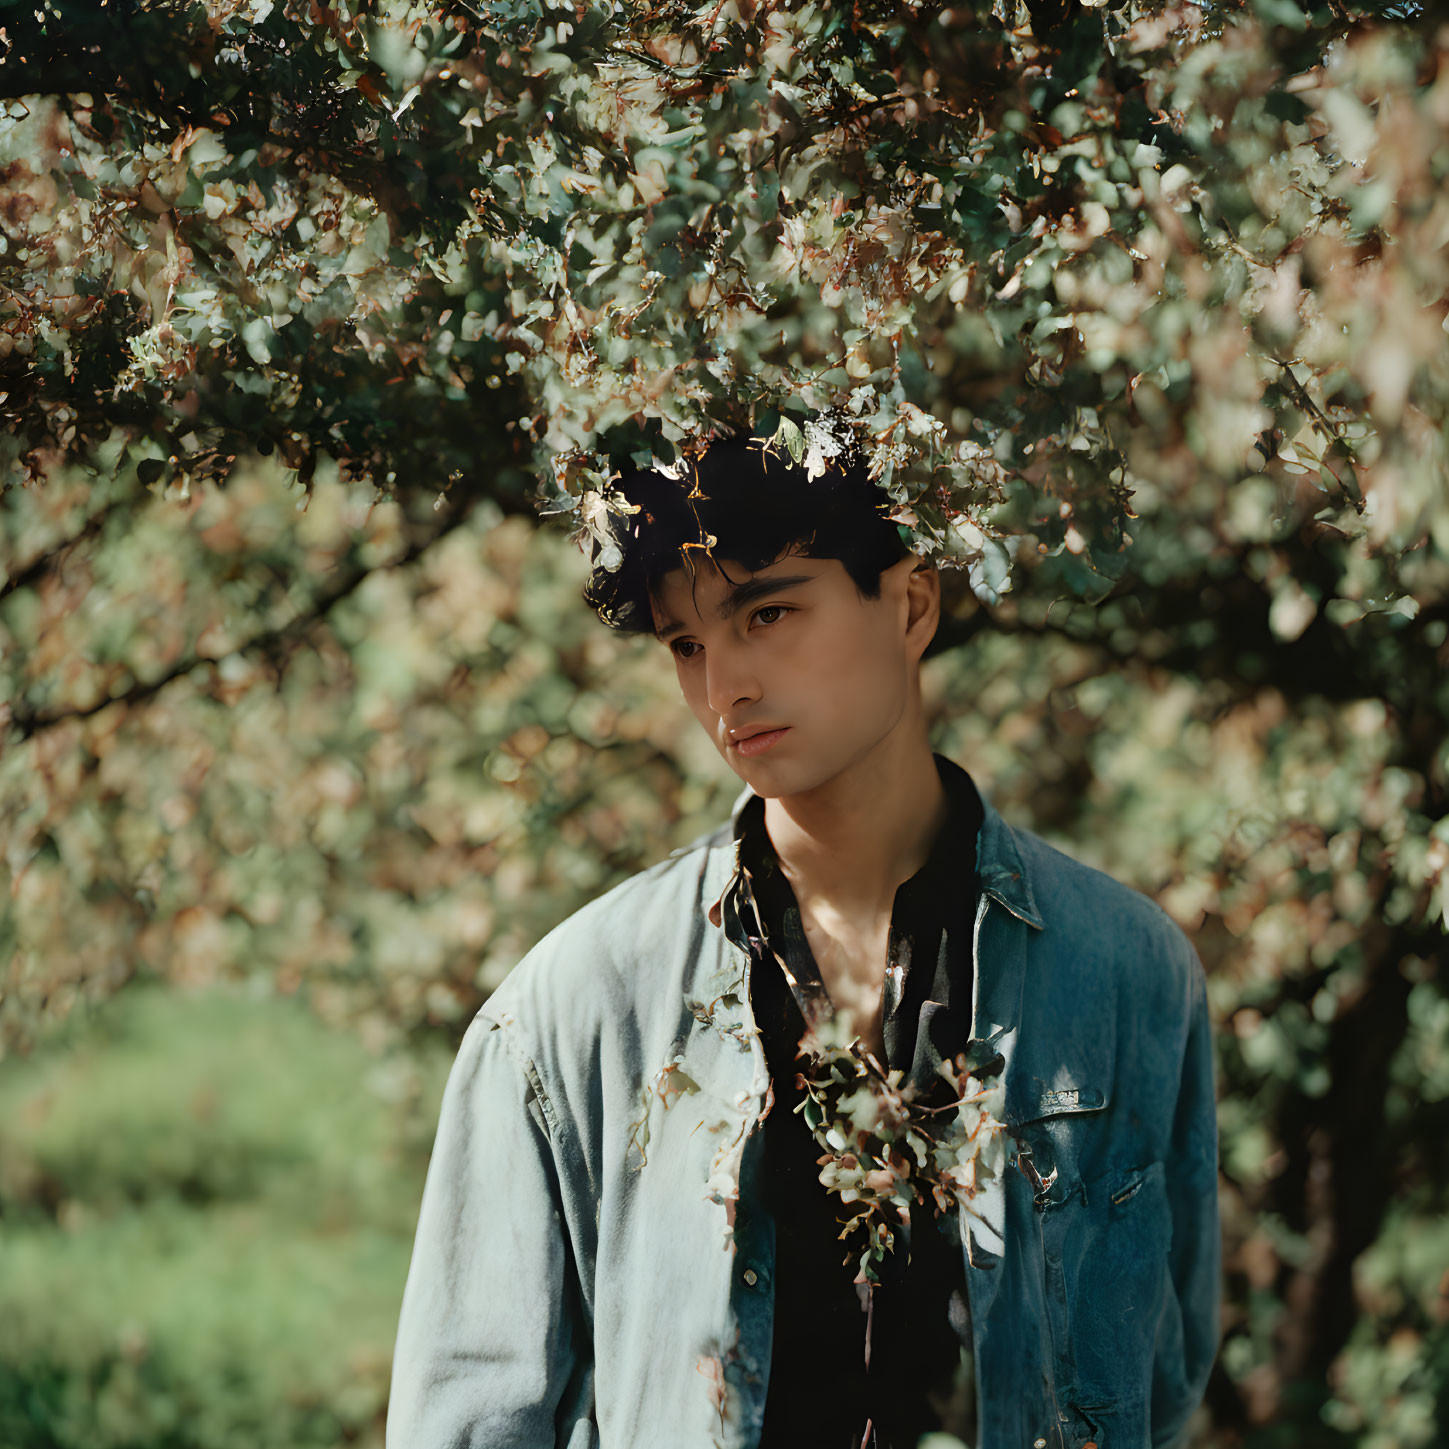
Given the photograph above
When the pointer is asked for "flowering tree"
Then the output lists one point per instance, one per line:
(1138, 311)
(1060, 264)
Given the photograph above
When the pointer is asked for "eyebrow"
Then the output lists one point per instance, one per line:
(739, 597)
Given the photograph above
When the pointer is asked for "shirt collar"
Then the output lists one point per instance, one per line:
(999, 867)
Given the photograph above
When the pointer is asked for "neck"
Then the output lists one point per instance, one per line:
(851, 841)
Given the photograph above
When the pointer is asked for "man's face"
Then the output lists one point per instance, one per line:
(792, 673)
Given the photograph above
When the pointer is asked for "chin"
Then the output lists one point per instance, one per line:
(772, 779)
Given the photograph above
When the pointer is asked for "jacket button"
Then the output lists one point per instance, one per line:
(751, 1277)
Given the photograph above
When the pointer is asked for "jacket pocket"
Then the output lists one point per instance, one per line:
(1049, 1148)
(1116, 1267)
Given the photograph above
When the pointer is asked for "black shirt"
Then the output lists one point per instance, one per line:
(821, 1391)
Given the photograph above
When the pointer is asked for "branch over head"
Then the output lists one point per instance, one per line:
(740, 500)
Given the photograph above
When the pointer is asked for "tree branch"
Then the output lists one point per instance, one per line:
(43, 563)
(270, 642)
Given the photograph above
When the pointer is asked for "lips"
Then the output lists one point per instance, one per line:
(757, 744)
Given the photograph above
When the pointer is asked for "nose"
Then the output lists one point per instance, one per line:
(730, 681)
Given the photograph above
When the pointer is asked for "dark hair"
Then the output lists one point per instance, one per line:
(743, 503)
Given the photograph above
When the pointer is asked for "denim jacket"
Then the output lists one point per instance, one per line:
(593, 1262)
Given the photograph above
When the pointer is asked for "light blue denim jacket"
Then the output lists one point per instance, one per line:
(593, 1258)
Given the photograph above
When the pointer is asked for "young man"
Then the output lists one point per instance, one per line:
(631, 1230)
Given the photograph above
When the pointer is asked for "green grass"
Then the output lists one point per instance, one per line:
(208, 1206)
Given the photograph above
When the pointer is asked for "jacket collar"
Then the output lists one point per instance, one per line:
(1000, 870)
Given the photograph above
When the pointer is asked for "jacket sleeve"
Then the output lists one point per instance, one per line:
(486, 1343)
(1188, 1342)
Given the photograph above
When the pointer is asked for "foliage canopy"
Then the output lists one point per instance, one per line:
(1140, 312)
(1061, 263)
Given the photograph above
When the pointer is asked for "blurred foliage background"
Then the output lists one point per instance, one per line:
(307, 737)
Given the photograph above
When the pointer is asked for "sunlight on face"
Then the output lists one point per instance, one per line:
(792, 673)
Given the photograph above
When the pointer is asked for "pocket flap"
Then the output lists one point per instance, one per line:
(1058, 1100)
(1062, 1101)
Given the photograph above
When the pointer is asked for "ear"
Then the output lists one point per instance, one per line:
(918, 586)
(923, 593)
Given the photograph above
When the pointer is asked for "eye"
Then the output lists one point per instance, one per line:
(683, 648)
(776, 612)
